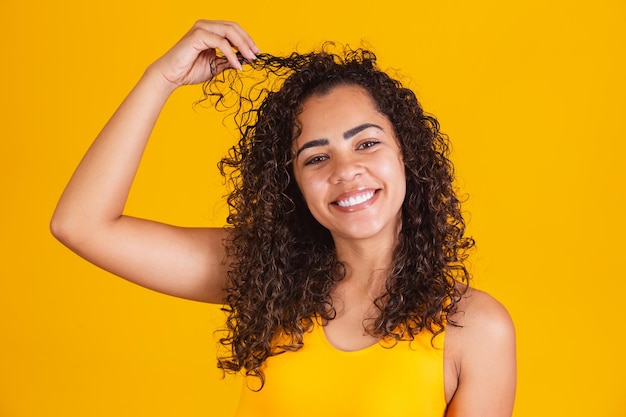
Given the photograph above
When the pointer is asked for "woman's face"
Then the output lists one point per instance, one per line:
(348, 165)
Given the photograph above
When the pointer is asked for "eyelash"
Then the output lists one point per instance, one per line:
(320, 158)
(315, 160)
(368, 144)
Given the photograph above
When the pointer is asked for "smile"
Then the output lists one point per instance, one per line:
(353, 201)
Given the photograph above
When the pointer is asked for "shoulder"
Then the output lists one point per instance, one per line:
(481, 358)
(480, 314)
(480, 324)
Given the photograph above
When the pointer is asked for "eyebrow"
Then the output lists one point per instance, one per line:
(356, 130)
(346, 135)
(312, 144)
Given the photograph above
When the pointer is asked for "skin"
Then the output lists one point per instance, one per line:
(333, 161)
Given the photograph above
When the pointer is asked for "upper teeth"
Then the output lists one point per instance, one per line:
(353, 201)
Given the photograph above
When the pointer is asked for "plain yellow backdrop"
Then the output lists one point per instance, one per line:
(531, 93)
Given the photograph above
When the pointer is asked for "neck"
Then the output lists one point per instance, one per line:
(367, 264)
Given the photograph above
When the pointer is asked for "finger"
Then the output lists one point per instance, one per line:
(200, 41)
(220, 64)
(224, 46)
(236, 36)
(240, 38)
(247, 39)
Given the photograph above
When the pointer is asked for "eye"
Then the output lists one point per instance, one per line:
(367, 144)
(315, 160)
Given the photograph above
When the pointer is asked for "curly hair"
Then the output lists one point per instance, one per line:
(282, 261)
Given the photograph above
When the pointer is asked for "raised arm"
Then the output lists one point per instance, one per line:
(183, 262)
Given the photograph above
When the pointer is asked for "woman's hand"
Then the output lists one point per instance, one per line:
(195, 58)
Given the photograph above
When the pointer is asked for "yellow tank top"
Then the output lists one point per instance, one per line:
(320, 380)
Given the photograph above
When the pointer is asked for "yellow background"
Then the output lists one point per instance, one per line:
(532, 94)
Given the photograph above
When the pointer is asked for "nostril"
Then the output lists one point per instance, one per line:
(346, 171)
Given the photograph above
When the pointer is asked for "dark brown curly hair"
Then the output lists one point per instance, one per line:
(283, 265)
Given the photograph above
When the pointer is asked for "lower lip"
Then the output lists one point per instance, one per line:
(357, 207)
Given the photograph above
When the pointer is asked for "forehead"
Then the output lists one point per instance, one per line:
(343, 94)
(339, 109)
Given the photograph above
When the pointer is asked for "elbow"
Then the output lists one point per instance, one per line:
(76, 229)
(58, 227)
(64, 228)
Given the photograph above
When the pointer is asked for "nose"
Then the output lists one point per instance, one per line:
(346, 167)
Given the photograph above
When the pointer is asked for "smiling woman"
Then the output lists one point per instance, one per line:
(343, 269)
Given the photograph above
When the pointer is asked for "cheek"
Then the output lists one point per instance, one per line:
(314, 192)
(393, 169)
(311, 190)
(395, 175)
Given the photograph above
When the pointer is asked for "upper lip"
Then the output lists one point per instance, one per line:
(354, 194)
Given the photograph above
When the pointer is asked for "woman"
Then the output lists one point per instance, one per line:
(343, 271)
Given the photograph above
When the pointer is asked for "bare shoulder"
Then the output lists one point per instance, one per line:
(481, 323)
(480, 313)
(480, 357)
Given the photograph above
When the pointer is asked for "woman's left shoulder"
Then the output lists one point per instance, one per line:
(480, 357)
(480, 326)
(481, 313)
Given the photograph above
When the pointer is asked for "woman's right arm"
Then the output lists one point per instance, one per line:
(184, 262)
